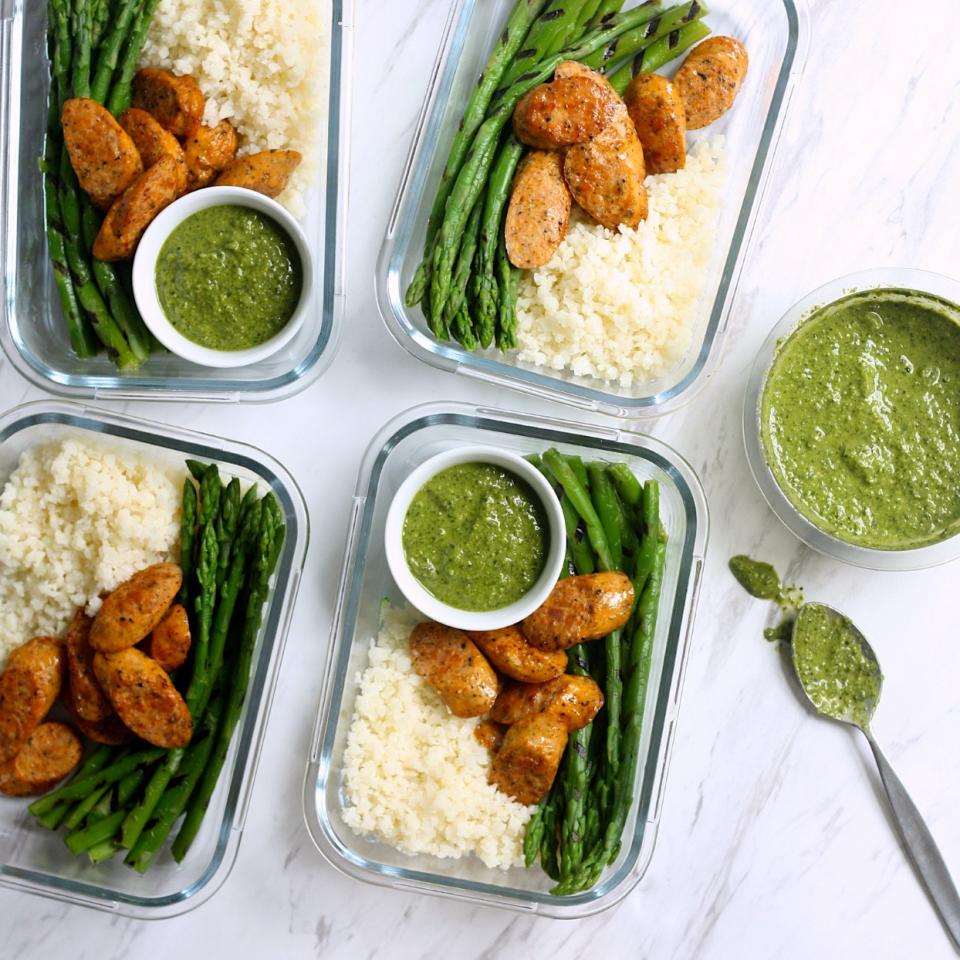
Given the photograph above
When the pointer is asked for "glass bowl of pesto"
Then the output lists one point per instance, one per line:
(223, 277)
(851, 419)
(475, 538)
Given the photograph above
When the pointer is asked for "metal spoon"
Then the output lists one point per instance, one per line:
(916, 836)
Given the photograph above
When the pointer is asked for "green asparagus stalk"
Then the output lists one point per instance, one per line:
(55, 816)
(83, 41)
(112, 44)
(79, 841)
(660, 51)
(508, 281)
(556, 26)
(121, 93)
(461, 275)
(81, 808)
(188, 535)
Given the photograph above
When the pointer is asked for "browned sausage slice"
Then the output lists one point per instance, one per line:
(656, 109)
(169, 643)
(489, 734)
(451, 663)
(144, 697)
(89, 702)
(710, 79)
(569, 110)
(136, 209)
(538, 215)
(135, 607)
(177, 102)
(208, 152)
(109, 731)
(51, 752)
(527, 762)
(517, 701)
(102, 154)
(584, 607)
(154, 141)
(266, 172)
(575, 701)
(29, 687)
(509, 651)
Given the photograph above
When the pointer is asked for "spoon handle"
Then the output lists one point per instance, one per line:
(920, 845)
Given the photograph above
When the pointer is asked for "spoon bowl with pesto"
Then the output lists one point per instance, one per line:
(223, 277)
(852, 419)
(841, 677)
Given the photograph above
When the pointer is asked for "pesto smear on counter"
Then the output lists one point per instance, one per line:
(476, 536)
(860, 419)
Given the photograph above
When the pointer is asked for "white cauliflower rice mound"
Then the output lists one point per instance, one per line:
(258, 62)
(77, 518)
(416, 776)
(619, 306)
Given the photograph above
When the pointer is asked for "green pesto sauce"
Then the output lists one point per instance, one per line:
(229, 278)
(762, 581)
(860, 419)
(476, 537)
(837, 675)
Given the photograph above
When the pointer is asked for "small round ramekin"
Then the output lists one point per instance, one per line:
(145, 265)
(912, 558)
(426, 602)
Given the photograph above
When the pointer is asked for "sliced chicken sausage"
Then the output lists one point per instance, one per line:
(169, 643)
(451, 663)
(510, 652)
(29, 687)
(144, 697)
(575, 701)
(710, 79)
(526, 764)
(154, 141)
(89, 702)
(538, 215)
(266, 172)
(176, 102)
(569, 110)
(51, 752)
(135, 607)
(656, 109)
(208, 152)
(103, 155)
(584, 607)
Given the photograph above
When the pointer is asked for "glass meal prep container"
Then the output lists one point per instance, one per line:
(400, 447)
(34, 859)
(32, 329)
(773, 31)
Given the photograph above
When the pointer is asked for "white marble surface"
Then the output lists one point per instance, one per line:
(773, 842)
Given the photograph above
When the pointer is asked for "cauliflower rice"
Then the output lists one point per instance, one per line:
(416, 776)
(619, 306)
(78, 517)
(259, 64)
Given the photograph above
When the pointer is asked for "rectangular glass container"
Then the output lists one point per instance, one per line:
(774, 33)
(401, 446)
(32, 329)
(34, 859)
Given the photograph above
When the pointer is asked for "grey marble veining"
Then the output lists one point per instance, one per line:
(773, 843)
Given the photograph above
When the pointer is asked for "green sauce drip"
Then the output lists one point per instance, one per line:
(860, 419)
(476, 536)
(838, 677)
(762, 581)
(229, 278)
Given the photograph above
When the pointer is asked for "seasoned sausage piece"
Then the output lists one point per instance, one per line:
(144, 697)
(451, 663)
(605, 175)
(584, 607)
(710, 79)
(29, 687)
(208, 151)
(177, 102)
(109, 731)
(169, 643)
(135, 210)
(135, 608)
(509, 651)
(490, 734)
(656, 109)
(575, 701)
(51, 752)
(538, 215)
(89, 702)
(102, 154)
(154, 141)
(527, 762)
(569, 110)
(266, 172)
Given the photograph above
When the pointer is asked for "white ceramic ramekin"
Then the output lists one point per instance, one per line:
(145, 265)
(426, 602)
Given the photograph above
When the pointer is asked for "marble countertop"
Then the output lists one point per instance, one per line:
(774, 842)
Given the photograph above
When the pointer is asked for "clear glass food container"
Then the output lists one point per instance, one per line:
(34, 859)
(32, 329)
(916, 558)
(774, 32)
(403, 444)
